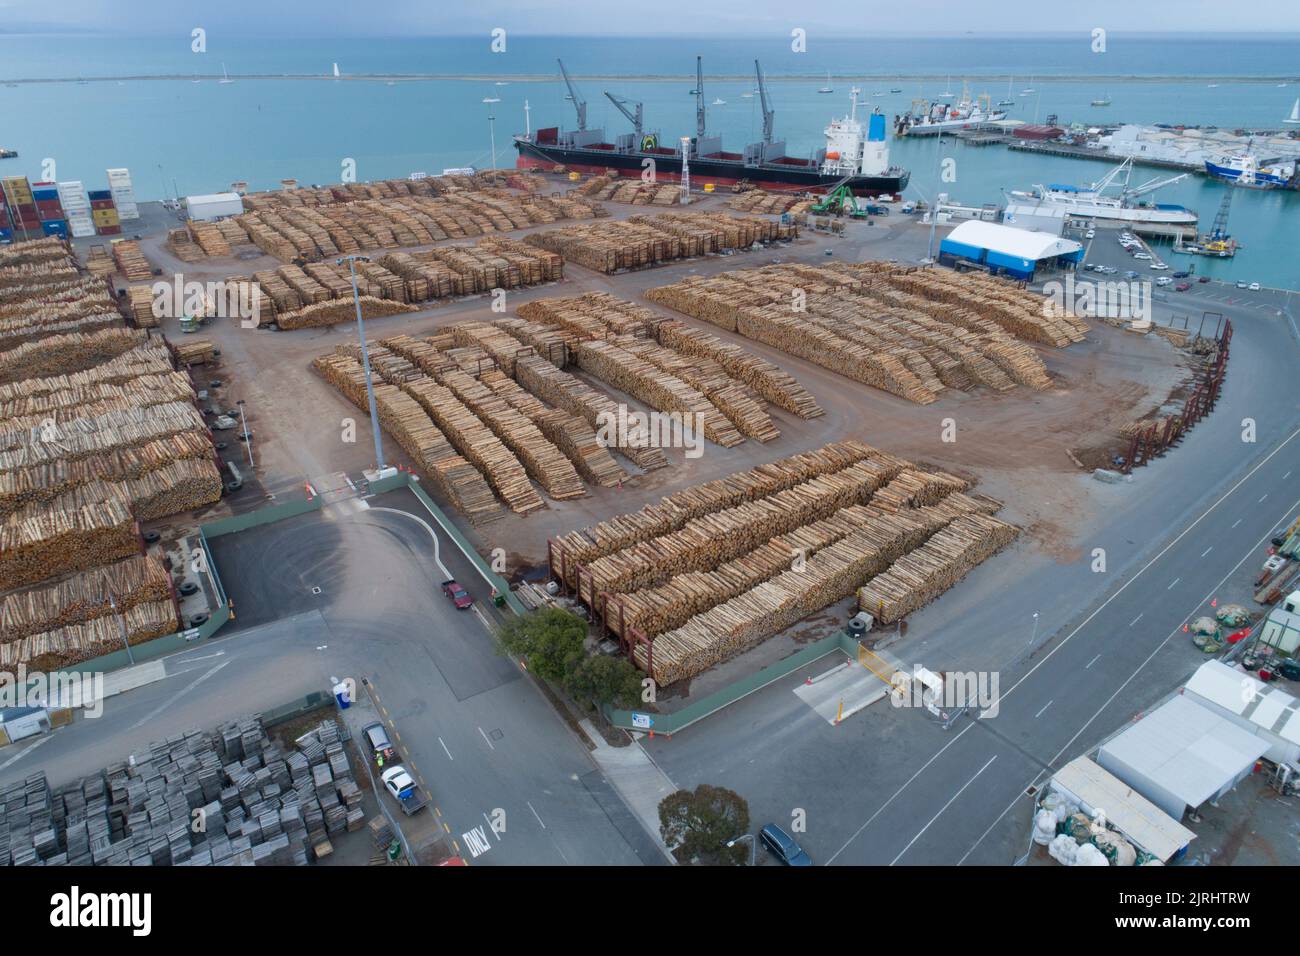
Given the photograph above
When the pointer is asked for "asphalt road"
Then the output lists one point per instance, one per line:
(891, 786)
(488, 745)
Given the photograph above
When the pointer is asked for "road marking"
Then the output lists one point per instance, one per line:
(1235, 523)
(539, 819)
(485, 738)
(492, 828)
(445, 750)
(1208, 594)
(1093, 661)
(944, 807)
(179, 694)
(1207, 550)
(1045, 706)
(26, 750)
(1172, 583)
(437, 557)
(1286, 476)
(445, 827)
(1261, 499)
(1065, 640)
(396, 736)
(1135, 620)
(476, 842)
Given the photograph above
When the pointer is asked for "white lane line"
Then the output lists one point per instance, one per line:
(1235, 523)
(1065, 640)
(1261, 499)
(1045, 706)
(485, 738)
(531, 807)
(179, 694)
(26, 750)
(1091, 662)
(1286, 476)
(437, 557)
(1249, 552)
(1172, 583)
(1135, 620)
(944, 807)
(445, 750)
(1207, 550)
(491, 828)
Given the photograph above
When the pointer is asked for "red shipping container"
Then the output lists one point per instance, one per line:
(49, 209)
(109, 230)
(101, 204)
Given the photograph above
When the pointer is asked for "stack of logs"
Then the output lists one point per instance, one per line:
(131, 261)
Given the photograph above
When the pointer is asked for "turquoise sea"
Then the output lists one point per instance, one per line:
(79, 102)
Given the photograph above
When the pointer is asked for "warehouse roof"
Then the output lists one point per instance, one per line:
(1186, 749)
(1239, 693)
(1137, 817)
(1021, 243)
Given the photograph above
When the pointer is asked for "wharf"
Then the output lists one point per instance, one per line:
(1100, 155)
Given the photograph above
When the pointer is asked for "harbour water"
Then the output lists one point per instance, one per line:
(180, 135)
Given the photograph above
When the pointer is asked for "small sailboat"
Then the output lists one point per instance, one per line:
(491, 99)
(1029, 90)
(196, 79)
(1211, 86)
(747, 95)
(501, 83)
(391, 83)
(895, 89)
(827, 88)
(1104, 100)
(719, 102)
(1294, 118)
(947, 93)
(1008, 101)
(336, 71)
(225, 77)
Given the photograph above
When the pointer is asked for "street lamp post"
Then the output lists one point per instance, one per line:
(934, 212)
(1034, 637)
(753, 846)
(248, 439)
(492, 134)
(121, 623)
(365, 359)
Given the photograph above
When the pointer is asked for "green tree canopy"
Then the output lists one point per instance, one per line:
(550, 640)
(601, 679)
(697, 825)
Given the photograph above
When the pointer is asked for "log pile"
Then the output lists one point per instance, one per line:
(574, 396)
(79, 530)
(139, 306)
(210, 238)
(917, 578)
(771, 203)
(131, 261)
(502, 347)
(74, 643)
(81, 597)
(594, 315)
(93, 399)
(550, 343)
(334, 311)
(62, 354)
(194, 351)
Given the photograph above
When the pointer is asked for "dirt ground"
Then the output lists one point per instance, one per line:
(1015, 444)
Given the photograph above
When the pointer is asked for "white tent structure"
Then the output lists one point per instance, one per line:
(1269, 713)
(1181, 755)
(1144, 824)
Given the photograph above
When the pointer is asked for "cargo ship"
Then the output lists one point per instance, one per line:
(928, 117)
(1248, 170)
(1094, 202)
(856, 155)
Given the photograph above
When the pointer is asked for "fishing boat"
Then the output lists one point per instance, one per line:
(1248, 170)
(1294, 118)
(856, 154)
(1096, 201)
(719, 101)
(926, 117)
(827, 88)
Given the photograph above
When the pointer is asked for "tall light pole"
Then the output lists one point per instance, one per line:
(365, 359)
(121, 623)
(248, 439)
(934, 213)
(1034, 636)
(492, 133)
(753, 846)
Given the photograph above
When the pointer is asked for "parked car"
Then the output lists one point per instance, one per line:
(1203, 279)
(1141, 255)
(1182, 287)
(1181, 274)
(1241, 284)
(783, 846)
(404, 790)
(1164, 280)
(1089, 267)
(1090, 234)
(457, 595)
(1130, 274)
(1158, 266)
(1254, 287)
(376, 738)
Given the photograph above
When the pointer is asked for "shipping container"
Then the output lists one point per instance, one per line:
(102, 203)
(99, 194)
(109, 230)
(55, 227)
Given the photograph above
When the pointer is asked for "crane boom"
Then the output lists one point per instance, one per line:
(579, 103)
(699, 96)
(622, 103)
(765, 104)
(1152, 185)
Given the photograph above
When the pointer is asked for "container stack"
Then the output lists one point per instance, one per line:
(103, 211)
(21, 204)
(54, 222)
(73, 196)
(119, 184)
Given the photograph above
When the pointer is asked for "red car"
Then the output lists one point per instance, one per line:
(457, 595)
(1182, 287)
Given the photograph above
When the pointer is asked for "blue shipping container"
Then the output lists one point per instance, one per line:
(55, 227)
(6, 233)
(45, 193)
(99, 194)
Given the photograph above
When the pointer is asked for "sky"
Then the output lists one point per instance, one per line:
(322, 18)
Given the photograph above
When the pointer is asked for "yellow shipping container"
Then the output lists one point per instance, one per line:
(105, 217)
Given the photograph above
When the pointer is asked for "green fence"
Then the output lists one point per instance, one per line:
(679, 720)
(296, 708)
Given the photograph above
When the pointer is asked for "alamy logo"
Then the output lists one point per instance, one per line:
(75, 909)
(25, 688)
(216, 299)
(946, 694)
(1099, 298)
(629, 429)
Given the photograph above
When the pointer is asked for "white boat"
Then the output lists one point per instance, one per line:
(827, 88)
(718, 102)
(491, 99)
(933, 117)
(1211, 86)
(336, 71)
(1103, 101)
(502, 83)
(225, 77)
(1008, 101)
(747, 95)
(1094, 202)
(947, 93)
(1029, 90)
(1294, 118)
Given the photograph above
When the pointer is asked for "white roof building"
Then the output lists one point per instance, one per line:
(1093, 788)
(1181, 755)
(1020, 243)
(1269, 713)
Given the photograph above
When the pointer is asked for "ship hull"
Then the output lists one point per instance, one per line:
(722, 172)
(1262, 179)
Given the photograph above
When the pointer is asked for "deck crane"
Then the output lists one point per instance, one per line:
(699, 97)
(765, 104)
(1219, 241)
(622, 104)
(579, 103)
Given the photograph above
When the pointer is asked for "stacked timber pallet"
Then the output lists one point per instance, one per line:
(130, 260)
(194, 351)
(140, 306)
(761, 201)
(458, 480)
(61, 354)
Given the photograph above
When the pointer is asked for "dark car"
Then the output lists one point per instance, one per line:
(376, 739)
(1181, 275)
(1203, 279)
(457, 594)
(783, 847)
(1182, 287)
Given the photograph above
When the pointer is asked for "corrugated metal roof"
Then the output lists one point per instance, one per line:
(1021, 243)
(1140, 820)
(1237, 692)
(1186, 749)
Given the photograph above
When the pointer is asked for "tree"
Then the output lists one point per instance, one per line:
(601, 679)
(551, 640)
(698, 825)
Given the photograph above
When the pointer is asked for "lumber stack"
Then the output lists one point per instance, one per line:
(62, 354)
(502, 347)
(210, 238)
(130, 260)
(550, 343)
(920, 576)
(79, 530)
(194, 351)
(334, 311)
(139, 305)
(81, 597)
(574, 396)
(74, 643)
